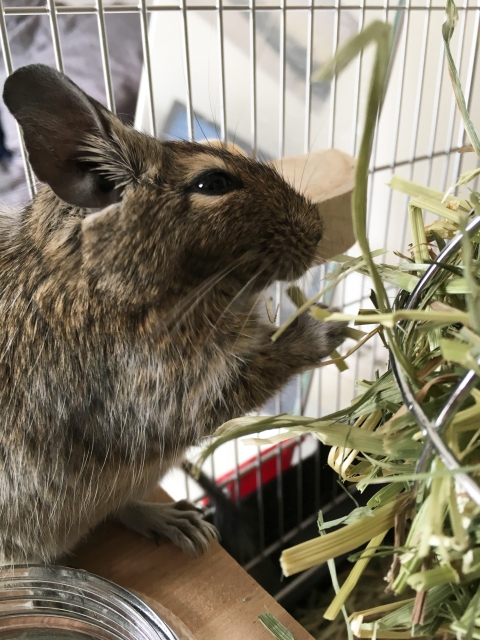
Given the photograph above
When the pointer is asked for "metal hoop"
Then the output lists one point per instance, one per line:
(433, 429)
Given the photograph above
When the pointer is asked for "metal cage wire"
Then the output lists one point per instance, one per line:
(418, 136)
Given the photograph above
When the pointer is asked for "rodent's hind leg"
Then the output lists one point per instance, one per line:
(181, 522)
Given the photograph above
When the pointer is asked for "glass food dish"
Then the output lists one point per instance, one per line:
(58, 603)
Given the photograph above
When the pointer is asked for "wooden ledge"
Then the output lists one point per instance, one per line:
(211, 596)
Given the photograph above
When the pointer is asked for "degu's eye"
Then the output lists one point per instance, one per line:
(214, 182)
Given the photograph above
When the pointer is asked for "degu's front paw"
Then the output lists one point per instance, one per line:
(332, 333)
(314, 340)
(181, 522)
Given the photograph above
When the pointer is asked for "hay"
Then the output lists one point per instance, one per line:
(376, 440)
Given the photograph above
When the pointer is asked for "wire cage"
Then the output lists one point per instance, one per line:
(240, 70)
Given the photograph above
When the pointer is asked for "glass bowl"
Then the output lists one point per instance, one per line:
(58, 603)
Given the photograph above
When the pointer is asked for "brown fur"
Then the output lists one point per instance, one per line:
(130, 333)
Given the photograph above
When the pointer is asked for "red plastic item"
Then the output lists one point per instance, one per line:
(248, 481)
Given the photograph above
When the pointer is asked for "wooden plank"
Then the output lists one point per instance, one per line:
(211, 595)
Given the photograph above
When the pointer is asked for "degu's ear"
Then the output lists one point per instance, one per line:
(57, 118)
